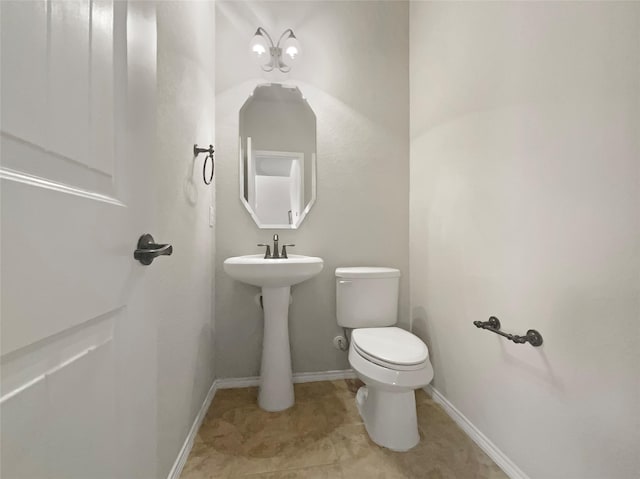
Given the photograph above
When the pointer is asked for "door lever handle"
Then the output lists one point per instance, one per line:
(148, 249)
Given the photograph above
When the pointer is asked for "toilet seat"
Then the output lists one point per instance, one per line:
(390, 347)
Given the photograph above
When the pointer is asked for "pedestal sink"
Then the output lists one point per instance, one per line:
(275, 277)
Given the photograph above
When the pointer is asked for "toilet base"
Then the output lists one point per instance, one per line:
(389, 417)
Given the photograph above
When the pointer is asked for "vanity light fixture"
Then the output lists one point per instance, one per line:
(280, 55)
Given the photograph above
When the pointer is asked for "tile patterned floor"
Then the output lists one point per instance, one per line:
(322, 437)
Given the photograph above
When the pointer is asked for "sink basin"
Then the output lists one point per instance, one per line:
(256, 270)
(275, 277)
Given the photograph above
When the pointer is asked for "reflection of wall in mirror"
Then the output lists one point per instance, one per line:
(296, 193)
(272, 199)
(280, 126)
(275, 186)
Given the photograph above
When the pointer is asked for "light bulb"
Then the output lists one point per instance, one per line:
(260, 49)
(291, 49)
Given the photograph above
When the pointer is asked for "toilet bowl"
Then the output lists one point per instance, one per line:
(391, 362)
(387, 403)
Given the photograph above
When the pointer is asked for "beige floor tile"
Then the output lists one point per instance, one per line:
(342, 410)
(208, 467)
(261, 454)
(205, 462)
(308, 418)
(353, 385)
(371, 468)
(431, 413)
(308, 451)
(352, 443)
(318, 472)
(317, 390)
(231, 398)
(275, 453)
(322, 436)
(422, 396)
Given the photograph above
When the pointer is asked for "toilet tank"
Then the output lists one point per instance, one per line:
(367, 297)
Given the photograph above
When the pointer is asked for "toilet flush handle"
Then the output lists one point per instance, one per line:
(342, 281)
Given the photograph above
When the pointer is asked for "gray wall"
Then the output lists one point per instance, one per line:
(185, 115)
(525, 204)
(354, 73)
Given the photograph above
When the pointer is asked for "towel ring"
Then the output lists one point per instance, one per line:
(204, 169)
(210, 151)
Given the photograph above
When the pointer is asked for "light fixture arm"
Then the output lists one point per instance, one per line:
(261, 31)
(288, 33)
(275, 50)
(288, 30)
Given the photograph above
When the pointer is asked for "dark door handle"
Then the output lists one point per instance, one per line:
(149, 249)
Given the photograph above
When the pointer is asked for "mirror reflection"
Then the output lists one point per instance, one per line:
(277, 156)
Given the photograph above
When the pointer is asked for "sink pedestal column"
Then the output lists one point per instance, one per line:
(276, 378)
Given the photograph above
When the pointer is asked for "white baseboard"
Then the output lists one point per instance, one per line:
(499, 457)
(176, 470)
(324, 376)
(230, 383)
(233, 383)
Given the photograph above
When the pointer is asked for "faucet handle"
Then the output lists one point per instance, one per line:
(284, 250)
(267, 253)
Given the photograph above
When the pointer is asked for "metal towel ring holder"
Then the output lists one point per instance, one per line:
(210, 151)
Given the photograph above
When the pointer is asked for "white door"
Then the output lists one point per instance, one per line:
(78, 346)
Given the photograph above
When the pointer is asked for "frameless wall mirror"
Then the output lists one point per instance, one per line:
(277, 156)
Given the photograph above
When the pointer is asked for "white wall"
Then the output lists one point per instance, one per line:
(525, 204)
(185, 115)
(354, 74)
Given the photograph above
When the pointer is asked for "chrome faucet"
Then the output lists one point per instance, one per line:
(276, 251)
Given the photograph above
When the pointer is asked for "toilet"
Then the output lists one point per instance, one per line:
(392, 362)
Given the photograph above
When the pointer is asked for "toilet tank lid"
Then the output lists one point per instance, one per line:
(367, 272)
